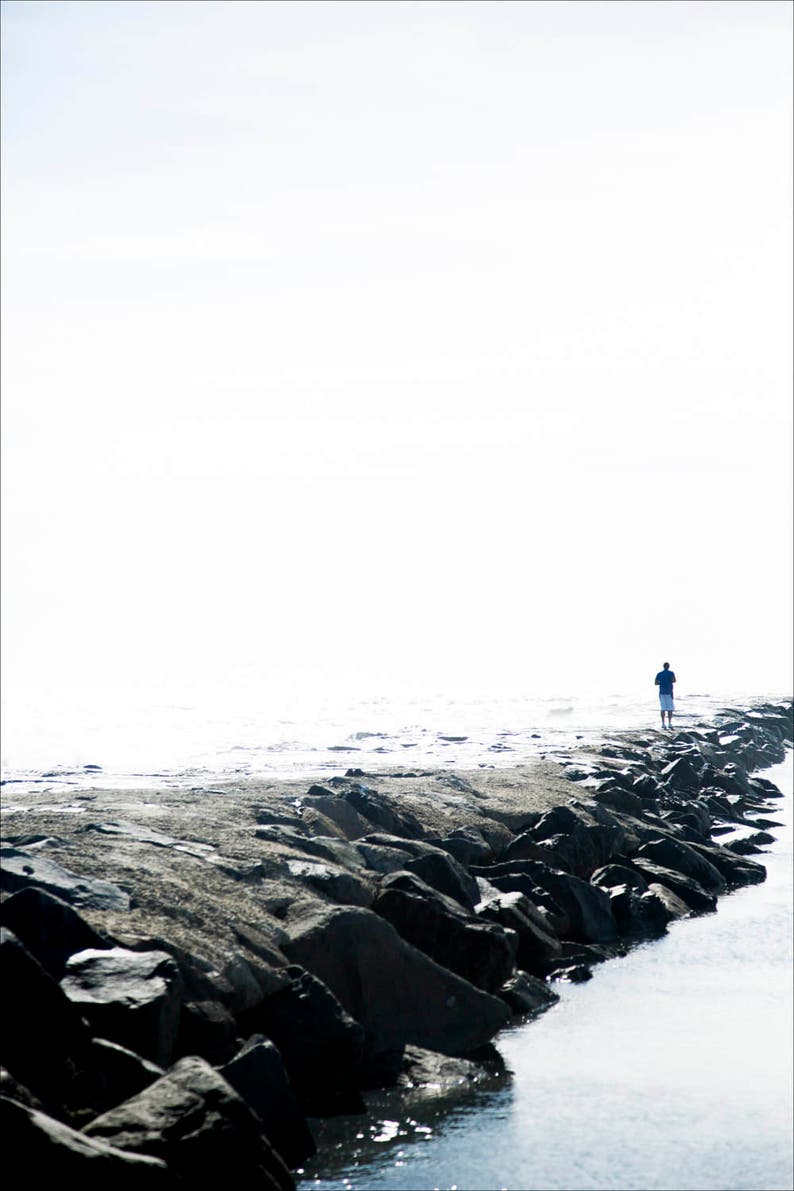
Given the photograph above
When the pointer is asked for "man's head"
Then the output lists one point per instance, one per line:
(666, 665)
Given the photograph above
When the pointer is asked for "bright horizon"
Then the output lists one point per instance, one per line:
(390, 345)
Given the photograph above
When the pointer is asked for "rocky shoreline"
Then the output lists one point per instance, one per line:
(195, 977)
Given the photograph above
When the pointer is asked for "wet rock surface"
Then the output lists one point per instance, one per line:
(192, 981)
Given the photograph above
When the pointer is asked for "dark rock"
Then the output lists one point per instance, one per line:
(117, 1074)
(526, 994)
(48, 928)
(350, 822)
(436, 867)
(537, 945)
(684, 774)
(333, 881)
(19, 869)
(620, 799)
(207, 1029)
(750, 843)
(130, 997)
(44, 1037)
(377, 809)
(663, 905)
(480, 952)
(195, 1122)
(586, 906)
(258, 1075)
(683, 859)
(45, 1152)
(685, 888)
(577, 974)
(612, 875)
(636, 914)
(321, 1045)
(397, 993)
(736, 870)
(579, 851)
(467, 845)
(550, 916)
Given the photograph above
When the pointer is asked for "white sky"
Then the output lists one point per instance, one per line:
(441, 344)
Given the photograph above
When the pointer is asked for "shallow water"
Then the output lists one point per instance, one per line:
(671, 1069)
(67, 739)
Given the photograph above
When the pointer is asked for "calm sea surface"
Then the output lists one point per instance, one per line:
(157, 737)
(670, 1069)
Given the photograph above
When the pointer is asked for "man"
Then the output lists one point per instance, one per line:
(664, 680)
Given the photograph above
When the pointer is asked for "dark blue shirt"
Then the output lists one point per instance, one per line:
(665, 679)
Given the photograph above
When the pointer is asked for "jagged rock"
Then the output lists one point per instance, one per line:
(44, 1037)
(578, 851)
(736, 870)
(193, 1120)
(334, 882)
(49, 928)
(750, 843)
(526, 994)
(375, 807)
(130, 997)
(664, 903)
(480, 952)
(19, 869)
(683, 859)
(258, 1075)
(321, 1045)
(116, 1074)
(636, 914)
(684, 773)
(685, 888)
(207, 1029)
(467, 845)
(537, 945)
(436, 867)
(397, 993)
(45, 1152)
(587, 907)
(612, 875)
(546, 912)
(352, 824)
(610, 794)
(427, 1076)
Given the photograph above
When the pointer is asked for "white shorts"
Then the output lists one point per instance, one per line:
(666, 702)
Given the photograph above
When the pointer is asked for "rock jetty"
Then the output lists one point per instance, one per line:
(193, 976)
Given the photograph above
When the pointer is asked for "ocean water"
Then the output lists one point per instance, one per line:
(670, 1070)
(69, 737)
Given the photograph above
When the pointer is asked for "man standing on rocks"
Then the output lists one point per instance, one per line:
(664, 680)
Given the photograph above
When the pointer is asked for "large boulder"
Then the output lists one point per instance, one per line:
(43, 1152)
(482, 953)
(685, 888)
(20, 868)
(736, 870)
(339, 811)
(130, 997)
(321, 1045)
(397, 993)
(44, 1038)
(538, 946)
(377, 808)
(680, 856)
(586, 907)
(527, 995)
(435, 866)
(50, 929)
(195, 1122)
(258, 1075)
